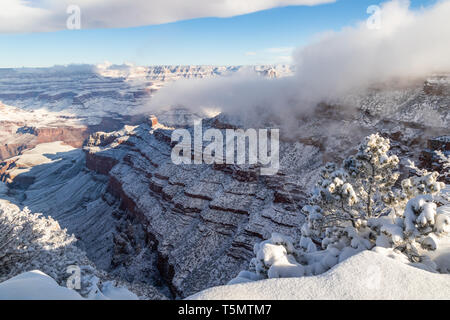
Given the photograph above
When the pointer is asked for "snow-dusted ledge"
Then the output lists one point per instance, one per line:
(367, 275)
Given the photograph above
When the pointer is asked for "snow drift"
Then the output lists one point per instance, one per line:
(36, 285)
(367, 275)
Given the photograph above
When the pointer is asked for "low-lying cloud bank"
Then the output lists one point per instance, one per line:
(408, 44)
(51, 15)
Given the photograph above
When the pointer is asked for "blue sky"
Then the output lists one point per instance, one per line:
(257, 38)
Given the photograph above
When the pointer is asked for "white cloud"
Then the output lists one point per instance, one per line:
(49, 15)
(18, 15)
(251, 53)
(409, 44)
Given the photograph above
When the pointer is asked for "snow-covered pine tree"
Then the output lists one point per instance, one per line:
(373, 173)
(30, 241)
(357, 207)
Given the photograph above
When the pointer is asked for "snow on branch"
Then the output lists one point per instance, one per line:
(359, 206)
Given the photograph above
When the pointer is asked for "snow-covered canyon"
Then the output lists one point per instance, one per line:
(171, 231)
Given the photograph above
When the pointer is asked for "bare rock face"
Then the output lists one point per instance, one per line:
(5, 166)
(438, 85)
(11, 150)
(430, 160)
(72, 136)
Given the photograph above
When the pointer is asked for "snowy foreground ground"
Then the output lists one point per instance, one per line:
(367, 275)
(36, 285)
